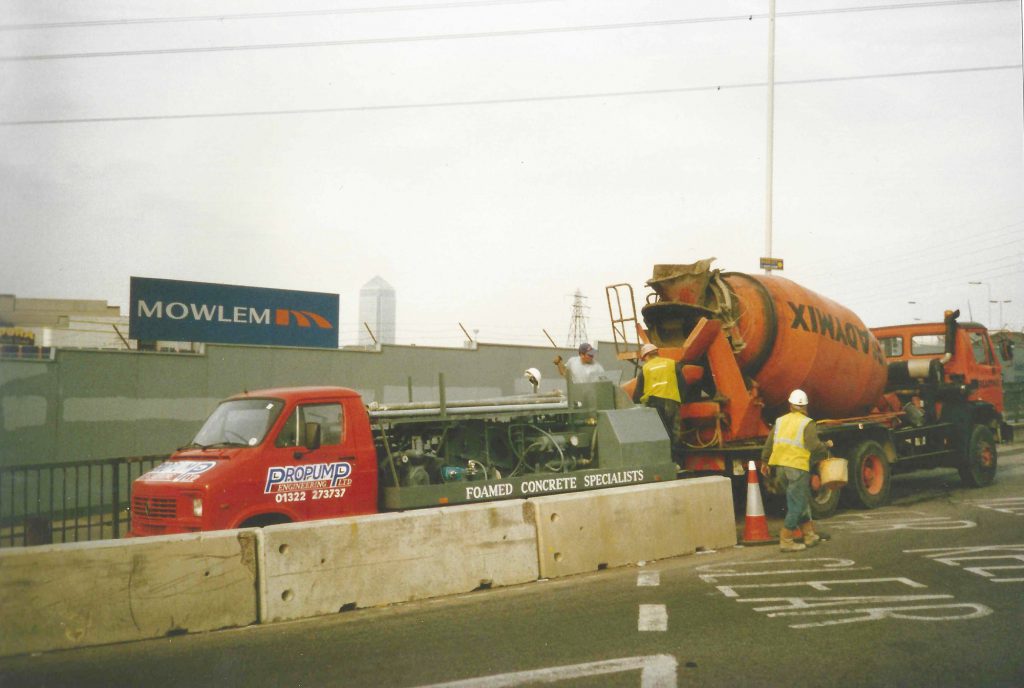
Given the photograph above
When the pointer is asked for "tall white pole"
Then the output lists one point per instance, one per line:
(770, 134)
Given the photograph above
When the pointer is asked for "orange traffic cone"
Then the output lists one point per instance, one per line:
(755, 531)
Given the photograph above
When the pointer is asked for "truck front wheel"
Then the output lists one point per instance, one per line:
(978, 467)
(870, 478)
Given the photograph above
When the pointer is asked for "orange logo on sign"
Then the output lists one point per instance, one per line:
(283, 317)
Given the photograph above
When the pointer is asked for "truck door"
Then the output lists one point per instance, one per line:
(313, 464)
(985, 369)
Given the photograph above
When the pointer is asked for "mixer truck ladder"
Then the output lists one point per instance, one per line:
(623, 322)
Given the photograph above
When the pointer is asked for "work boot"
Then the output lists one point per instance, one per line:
(786, 543)
(811, 538)
(822, 535)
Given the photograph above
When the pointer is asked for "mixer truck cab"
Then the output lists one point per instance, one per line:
(263, 458)
(958, 352)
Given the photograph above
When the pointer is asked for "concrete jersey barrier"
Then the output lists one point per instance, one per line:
(324, 567)
(64, 596)
(583, 532)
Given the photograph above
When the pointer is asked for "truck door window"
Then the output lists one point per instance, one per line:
(892, 347)
(328, 416)
(979, 345)
(928, 344)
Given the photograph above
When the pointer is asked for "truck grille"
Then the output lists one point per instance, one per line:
(154, 507)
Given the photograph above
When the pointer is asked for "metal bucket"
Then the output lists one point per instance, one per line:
(833, 472)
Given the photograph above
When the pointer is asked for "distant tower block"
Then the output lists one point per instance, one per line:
(377, 309)
(578, 323)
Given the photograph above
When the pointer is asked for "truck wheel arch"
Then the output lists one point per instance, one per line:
(264, 520)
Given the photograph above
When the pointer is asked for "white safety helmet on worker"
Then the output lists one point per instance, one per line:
(648, 349)
(798, 398)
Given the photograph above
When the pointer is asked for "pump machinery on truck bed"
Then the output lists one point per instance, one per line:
(748, 340)
(284, 455)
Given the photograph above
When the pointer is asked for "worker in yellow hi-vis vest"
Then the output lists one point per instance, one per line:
(660, 385)
(791, 447)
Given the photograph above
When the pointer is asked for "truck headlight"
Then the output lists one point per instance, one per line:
(197, 507)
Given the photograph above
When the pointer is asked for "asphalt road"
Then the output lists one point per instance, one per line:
(928, 591)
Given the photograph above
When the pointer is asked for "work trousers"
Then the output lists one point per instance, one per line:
(798, 495)
(668, 410)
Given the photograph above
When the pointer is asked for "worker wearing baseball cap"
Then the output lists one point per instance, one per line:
(791, 447)
(660, 385)
(581, 368)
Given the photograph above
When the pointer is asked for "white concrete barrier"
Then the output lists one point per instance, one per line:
(585, 531)
(91, 593)
(324, 567)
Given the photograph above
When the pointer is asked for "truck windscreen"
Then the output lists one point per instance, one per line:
(239, 422)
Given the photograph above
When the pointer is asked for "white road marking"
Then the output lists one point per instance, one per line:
(653, 617)
(897, 520)
(648, 579)
(656, 671)
(1006, 505)
(788, 600)
(956, 556)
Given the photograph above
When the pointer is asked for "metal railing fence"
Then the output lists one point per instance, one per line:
(72, 501)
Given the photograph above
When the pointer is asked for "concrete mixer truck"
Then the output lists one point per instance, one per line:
(747, 341)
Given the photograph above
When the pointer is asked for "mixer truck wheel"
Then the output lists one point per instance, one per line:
(870, 478)
(979, 462)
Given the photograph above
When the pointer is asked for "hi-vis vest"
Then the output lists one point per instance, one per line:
(788, 445)
(660, 379)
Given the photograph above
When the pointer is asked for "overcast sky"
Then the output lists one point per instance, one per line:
(489, 158)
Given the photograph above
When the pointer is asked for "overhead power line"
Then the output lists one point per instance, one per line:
(480, 34)
(262, 15)
(502, 101)
(371, 41)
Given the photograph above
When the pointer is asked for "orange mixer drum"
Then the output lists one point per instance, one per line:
(797, 339)
(784, 336)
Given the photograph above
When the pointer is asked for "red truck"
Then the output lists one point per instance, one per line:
(283, 455)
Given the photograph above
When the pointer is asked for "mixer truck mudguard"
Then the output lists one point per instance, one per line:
(747, 341)
(297, 454)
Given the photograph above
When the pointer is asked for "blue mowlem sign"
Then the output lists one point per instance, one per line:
(171, 310)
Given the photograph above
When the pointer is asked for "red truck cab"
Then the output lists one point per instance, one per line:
(261, 458)
(972, 359)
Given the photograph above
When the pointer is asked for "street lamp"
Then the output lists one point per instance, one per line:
(1001, 326)
(914, 303)
(990, 301)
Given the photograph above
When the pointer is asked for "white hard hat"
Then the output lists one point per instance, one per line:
(798, 398)
(647, 349)
(533, 374)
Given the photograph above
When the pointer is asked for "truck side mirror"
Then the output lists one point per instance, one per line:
(311, 433)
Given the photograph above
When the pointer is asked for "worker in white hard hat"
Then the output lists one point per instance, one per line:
(660, 385)
(791, 448)
(533, 376)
